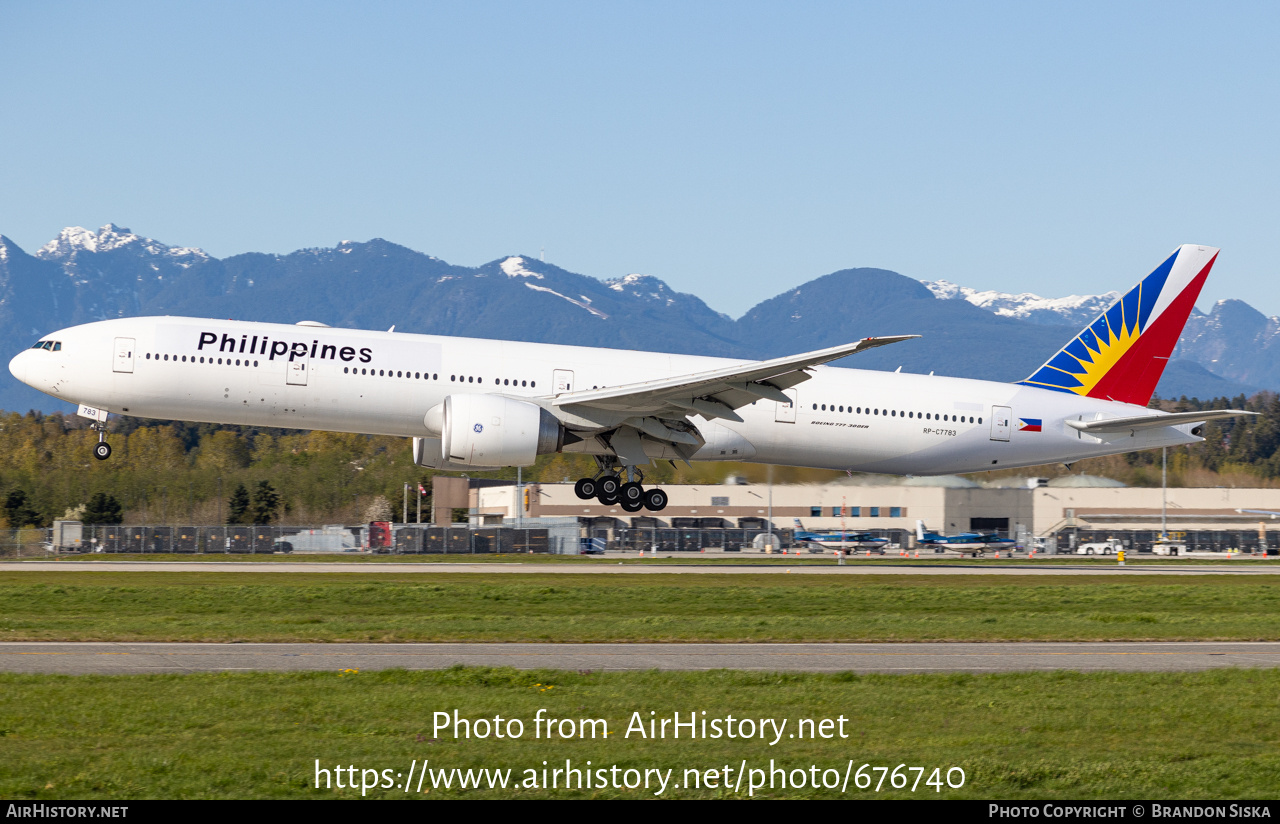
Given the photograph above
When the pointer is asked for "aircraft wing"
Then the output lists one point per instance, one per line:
(1155, 421)
(658, 410)
(716, 393)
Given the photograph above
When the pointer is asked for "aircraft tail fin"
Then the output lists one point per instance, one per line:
(799, 525)
(1121, 355)
(919, 530)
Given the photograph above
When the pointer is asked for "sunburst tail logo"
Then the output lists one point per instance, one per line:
(1122, 354)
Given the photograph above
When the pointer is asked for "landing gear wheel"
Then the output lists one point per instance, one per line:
(655, 500)
(632, 493)
(632, 506)
(586, 488)
(102, 450)
(608, 486)
(607, 500)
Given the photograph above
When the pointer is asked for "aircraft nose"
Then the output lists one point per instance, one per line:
(20, 366)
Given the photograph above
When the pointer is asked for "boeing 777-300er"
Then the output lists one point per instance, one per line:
(475, 404)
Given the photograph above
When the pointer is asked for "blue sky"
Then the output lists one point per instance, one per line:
(733, 149)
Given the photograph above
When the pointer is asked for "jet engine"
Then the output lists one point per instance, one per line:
(427, 452)
(488, 431)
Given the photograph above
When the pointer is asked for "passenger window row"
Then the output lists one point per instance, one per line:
(192, 359)
(432, 376)
(391, 373)
(496, 381)
(894, 413)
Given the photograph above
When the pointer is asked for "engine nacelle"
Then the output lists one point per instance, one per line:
(490, 431)
(429, 452)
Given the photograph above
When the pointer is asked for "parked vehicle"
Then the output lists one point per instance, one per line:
(1168, 547)
(1108, 547)
(1170, 543)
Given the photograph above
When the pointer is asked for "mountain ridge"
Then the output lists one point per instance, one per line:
(81, 276)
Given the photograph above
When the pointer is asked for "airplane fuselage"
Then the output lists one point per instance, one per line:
(346, 380)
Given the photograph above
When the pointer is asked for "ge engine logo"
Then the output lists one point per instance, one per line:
(478, 427)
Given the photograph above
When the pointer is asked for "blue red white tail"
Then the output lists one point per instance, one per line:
(1122, 354)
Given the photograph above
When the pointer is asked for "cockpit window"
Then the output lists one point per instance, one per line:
(57, 346)
(51, 345)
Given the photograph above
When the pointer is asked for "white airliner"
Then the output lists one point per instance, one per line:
(475, 404)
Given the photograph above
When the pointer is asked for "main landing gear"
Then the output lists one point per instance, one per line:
(101, 449)
(607, 487)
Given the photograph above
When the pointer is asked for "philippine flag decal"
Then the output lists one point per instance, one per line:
(1029, 424)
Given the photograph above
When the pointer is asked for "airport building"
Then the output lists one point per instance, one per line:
(1070, 507)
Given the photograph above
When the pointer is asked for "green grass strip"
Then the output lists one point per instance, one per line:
(1062, 735)
(180, 606)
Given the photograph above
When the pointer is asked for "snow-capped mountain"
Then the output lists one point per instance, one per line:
(653, 290)
(1073, 310)
(74, 240)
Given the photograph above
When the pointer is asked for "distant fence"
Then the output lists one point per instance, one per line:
(409, 539)
(670, 539)
(24, 543)
(666, 539)
(462, 539)
(1200, 540)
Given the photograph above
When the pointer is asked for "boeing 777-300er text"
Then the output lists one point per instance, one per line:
(475, 404)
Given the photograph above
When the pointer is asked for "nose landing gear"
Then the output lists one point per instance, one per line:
(101, 449)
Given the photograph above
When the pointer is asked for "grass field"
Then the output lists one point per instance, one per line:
(213, 606)
(257, 735)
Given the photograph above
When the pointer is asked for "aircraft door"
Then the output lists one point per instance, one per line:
(787, 411)
(562, 380)
(1001, 422)
(297, 373)
(123, 360)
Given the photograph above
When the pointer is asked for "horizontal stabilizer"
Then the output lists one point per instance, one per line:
(1155, 421)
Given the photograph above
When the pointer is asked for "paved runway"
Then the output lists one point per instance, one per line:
(607, 567)
(1128, 656)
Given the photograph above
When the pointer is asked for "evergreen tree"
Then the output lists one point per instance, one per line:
(102, 509)
(18, 510)
(265, 503)
(238, 506)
